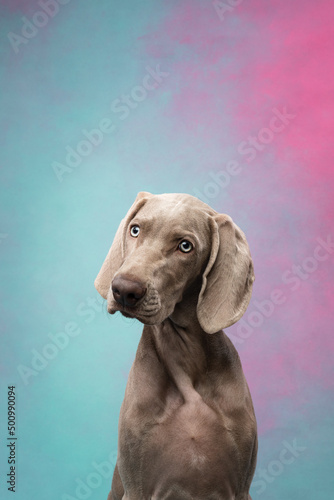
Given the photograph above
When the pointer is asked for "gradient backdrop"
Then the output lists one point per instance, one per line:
(230, 101)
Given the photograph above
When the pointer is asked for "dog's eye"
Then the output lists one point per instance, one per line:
(185, 246)
(134, 231)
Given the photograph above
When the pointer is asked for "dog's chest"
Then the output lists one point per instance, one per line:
(164, 436)
(176, 429)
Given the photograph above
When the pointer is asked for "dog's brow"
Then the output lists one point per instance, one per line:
(179, 234)
(176, 233)
(142, 219)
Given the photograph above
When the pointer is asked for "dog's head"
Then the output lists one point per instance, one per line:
(172, 246)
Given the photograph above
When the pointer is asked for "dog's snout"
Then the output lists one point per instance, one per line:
(127, 292)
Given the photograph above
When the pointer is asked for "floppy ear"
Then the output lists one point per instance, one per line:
(228, 278)
(115, 256)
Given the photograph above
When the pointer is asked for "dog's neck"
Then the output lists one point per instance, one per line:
(183, 347)
(181, 354)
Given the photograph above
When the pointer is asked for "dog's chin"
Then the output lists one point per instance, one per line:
(146, 317)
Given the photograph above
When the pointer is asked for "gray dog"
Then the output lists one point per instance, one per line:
(187, 429)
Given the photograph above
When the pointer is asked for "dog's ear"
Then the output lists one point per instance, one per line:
(228, 278)
(115, 256)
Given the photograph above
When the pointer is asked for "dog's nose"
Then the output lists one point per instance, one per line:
(127, 292)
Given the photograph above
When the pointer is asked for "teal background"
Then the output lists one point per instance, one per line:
(223, 76)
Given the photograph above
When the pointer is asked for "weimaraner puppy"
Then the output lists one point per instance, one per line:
(187, 429)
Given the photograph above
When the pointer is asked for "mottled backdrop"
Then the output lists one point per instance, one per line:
(231, 101)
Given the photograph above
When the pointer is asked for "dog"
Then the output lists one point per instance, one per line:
(187, 428)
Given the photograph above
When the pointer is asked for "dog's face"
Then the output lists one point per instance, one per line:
(165, 248)
(168, 247)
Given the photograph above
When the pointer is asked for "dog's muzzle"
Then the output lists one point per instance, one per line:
(134, 300)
